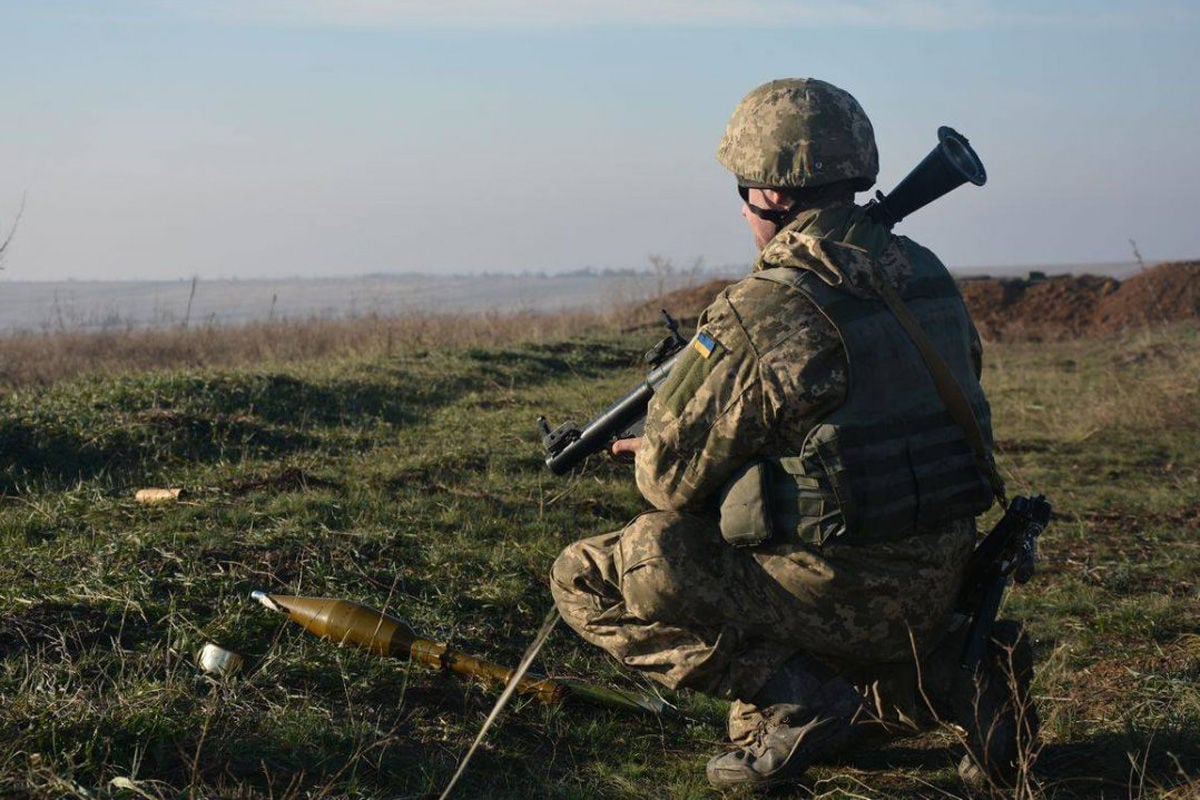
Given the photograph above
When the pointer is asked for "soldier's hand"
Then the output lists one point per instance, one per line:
(626, 449)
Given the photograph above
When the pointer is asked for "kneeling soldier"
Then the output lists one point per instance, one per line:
(814, 501)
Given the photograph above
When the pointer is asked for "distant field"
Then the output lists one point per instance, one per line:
(83, 306)
(411, 477)
(86, 306)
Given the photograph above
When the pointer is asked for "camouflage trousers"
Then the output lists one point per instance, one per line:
(668, 597)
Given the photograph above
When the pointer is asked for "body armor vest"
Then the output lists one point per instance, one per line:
(889, 462)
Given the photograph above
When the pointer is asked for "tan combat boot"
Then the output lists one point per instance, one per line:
(801, 716)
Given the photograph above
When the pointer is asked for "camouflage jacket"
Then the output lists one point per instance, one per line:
(725, 401)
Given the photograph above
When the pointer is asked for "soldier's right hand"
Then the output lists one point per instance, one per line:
(624, 450)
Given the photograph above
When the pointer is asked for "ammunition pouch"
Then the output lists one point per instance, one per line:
(773, 498)
(804, 507)
(746, 506)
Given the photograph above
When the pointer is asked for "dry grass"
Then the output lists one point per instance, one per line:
(30, 360)
(1072, 390)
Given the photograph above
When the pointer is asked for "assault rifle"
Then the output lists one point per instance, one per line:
(568, 444)
(1008, 552)
(950, 164)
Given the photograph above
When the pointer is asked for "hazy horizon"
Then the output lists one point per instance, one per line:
(48, 307)
(1117, 269)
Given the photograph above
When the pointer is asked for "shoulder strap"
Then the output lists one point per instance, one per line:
(947, 387)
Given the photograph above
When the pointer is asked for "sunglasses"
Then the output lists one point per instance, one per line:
(771, 215)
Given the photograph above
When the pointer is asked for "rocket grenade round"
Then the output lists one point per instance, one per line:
(348, 622)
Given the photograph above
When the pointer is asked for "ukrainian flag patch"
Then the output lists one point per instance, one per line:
(704, 344)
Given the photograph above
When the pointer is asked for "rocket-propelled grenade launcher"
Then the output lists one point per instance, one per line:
(347, 622)
(950, 164)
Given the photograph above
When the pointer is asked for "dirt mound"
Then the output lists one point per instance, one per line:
(1167, 293)
(1059, 306)
(683, 304)
(1078, 305)
(1035, 307)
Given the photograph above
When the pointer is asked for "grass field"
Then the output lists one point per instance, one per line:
(410, 476)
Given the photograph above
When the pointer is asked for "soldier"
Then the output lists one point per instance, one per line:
(814, 503)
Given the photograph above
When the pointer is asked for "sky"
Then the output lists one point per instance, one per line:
(165, 139)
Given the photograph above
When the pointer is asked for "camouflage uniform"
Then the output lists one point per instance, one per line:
(800, 424)
(668, 596)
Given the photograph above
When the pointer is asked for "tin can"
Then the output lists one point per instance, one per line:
(216, 660)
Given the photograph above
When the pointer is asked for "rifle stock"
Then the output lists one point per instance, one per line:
(1007, 553)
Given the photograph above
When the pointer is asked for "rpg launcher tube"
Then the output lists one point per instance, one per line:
(382, 634)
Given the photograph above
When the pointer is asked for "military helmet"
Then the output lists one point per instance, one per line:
(797, 133)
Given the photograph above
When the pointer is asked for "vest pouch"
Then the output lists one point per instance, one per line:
(745, 514)
(803, 507)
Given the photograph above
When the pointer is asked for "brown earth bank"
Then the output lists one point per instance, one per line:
(1040, 306)
(1064, 306)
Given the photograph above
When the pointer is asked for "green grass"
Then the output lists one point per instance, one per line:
(415, 481)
